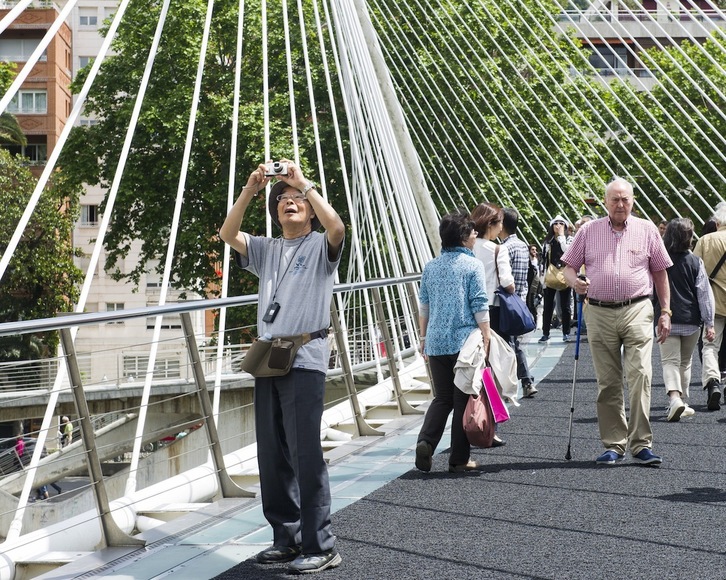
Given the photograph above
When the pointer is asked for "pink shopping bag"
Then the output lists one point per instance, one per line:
(499, 408)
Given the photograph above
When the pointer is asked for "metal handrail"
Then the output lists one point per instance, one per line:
(67, 320)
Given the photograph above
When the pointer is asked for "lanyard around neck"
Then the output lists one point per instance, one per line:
(287, 269)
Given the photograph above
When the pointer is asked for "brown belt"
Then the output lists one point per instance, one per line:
(618, 304)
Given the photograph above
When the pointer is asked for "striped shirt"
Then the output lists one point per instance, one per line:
(618, 264)
(519, 258)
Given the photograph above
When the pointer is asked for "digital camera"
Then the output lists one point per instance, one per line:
(275, 169)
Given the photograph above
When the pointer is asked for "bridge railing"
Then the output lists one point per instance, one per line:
(118, 421)
(642, 15)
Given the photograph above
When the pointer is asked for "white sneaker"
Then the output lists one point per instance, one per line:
(688, 412)
(675, 409)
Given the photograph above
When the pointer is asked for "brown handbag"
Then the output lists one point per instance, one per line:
(555, 278)
(479, 421)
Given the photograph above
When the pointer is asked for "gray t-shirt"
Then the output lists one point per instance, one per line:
(298, 275)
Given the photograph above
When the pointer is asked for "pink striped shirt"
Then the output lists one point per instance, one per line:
(618, 264)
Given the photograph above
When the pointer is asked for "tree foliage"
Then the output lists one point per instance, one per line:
(41, 279)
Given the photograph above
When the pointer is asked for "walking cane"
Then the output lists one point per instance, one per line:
(580, 300)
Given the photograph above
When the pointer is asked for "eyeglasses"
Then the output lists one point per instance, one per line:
(292, 196)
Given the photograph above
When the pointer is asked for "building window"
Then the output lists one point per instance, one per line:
(84, 61)
(87, 122)
(609, 60)
(29, 103)
(153, 278)
(34, 153)
(19, 49)
(114, 307)
(84, 263)
(168, 322)
(88, 17)
(89, 215)
(134, 367)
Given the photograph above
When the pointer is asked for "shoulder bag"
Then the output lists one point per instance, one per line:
(717, 268)
(555, 278)
(514, 316)
(274, 358)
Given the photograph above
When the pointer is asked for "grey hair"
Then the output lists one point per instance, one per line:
(719, 214)
(618, 181)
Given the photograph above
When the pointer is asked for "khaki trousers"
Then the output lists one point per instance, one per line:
(622, 337)
(709, 354)
(676, 354)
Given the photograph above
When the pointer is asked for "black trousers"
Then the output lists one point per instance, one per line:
(293, 474)
(549, 307)
(448, 398)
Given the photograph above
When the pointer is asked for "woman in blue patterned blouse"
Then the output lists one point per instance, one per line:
(453, 303)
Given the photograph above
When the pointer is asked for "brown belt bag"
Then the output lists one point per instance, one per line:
(274, 358)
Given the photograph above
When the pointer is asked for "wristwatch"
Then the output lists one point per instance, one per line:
(308, 187)
(667, 311)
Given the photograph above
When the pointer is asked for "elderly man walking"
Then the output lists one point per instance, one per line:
(624, 257)
(711, 248)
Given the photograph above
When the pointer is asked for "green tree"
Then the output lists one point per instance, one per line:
(10, 131)
(41, 279)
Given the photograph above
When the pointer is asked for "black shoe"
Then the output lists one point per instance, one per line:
(424, 451)
(278, 554)
(498, 441)
(713, 398)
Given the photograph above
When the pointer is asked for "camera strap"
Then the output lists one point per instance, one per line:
(287, 269)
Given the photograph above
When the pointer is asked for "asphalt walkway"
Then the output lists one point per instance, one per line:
(529, 513)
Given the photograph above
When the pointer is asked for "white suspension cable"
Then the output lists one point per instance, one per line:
(291, 84)
(231, 190)
(131, 482)
(16, 525)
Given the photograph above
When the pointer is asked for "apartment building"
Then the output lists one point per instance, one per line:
(43, 103)
(615, 33)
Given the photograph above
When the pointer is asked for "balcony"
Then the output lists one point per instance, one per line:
(37, 4)
(640, 24)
